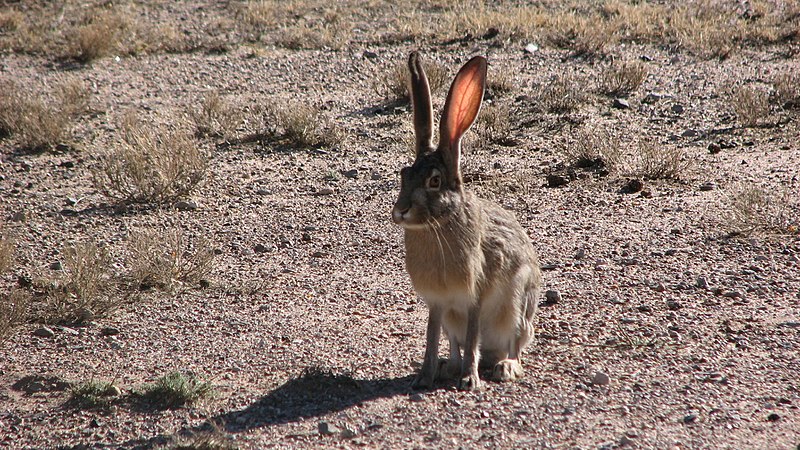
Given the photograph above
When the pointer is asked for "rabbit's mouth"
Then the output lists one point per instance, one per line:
(407, 219)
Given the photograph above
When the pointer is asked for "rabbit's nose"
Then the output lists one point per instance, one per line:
(398, 214)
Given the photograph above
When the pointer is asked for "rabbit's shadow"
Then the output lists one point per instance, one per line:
(314, 393)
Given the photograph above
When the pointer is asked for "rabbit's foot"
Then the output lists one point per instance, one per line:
(424, 379)
(469, 382)
(507, 370)
(448, 369)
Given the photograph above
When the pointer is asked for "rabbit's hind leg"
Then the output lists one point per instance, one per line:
(450, 368)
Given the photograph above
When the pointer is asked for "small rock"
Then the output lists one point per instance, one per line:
(774, 417)
(677, 108)
(186, 205)
(554, 180)
(674, 305)
(71, 331)
(580, 254)
(85, 315)
(318, 254)
(44, 332)
(416, 397)
(714, 148)
(708, 186)
(349, 433)
(260, 248)
(620, 103)
(702, 283)
(327, 429)
(644, 308)
(18, 216)
(690, 418)
(531, 48)
(306, 237)
(112, 391)
(646, 58)
(652, 98)
(600, 379)
(625, 441)
(552, 297)
(109, 331)
(690, 133)
(732, 294)
(376, 176)
(369, 54)
(325, 191)
(646, 193)
(632, 186)
(352, 173)
(56, 266)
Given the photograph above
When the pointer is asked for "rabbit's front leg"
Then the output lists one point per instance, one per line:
(470, 381)
(430, 363)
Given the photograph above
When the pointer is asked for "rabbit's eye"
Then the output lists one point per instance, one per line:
(435, 181)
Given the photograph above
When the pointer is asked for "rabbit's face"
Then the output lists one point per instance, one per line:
(427, 197)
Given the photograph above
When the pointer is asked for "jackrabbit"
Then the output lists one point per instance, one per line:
(468, 258)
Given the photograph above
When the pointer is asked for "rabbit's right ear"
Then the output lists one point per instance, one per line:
(421, 102)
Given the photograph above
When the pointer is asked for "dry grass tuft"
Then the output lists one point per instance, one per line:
(97, 38)
(493, 125)
(620, 80)
(152, 164)
(787, 90)
(175, 390)
(751, 106)
(41, 121)
(394, 84)
(13, 311)
(654, 161)
(81, 291)
(215, 439)
(500, 83)
(301, 124)
(93, 394)
(165, 259)
(216, 116)
(592, 147)
(561, 95)
(754, 210)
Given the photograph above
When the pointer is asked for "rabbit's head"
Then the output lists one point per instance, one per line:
(431, 189)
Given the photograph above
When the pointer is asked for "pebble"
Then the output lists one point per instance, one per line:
(349, 433)
(677, 108)
(416, 397)
(186, 205)
(714, 148)
(56, 266)
(326, 428)
(690, 133)
(625, 441)
(674, 305)
(44, 332)
(690, 418)
(260, 248)
(325, 191)
(580, 254)
(18, 216)
(633, 186)
(600, 379)
(531, 48)
(71, 331)
(708, 186)
(109, 331)
(352, 173)
(556, 180)
(376, 176)
(306, 237)
(774, 417)
(732, 294)
(369, 54)
(702, 282)
(644, 308)
(552, 297)
(620, 103)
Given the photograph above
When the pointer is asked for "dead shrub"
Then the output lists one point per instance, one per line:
(41, 121)
(165, 259)
(216, 116)
(786, 92)
(13, 310)
(561, 95)
(329, 33)
(620, 80)
(751, 106)
(493, 125)
(500, 83)
(755, 210)
(301, 124)
(152, 164)
(81, 291)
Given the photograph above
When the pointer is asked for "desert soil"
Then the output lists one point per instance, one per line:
(670, 332)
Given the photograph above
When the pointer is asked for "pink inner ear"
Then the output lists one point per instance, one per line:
(467, 93)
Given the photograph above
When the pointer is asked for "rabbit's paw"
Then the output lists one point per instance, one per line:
(424, 379)
(507, 370)
(471, 382)
(448, 369)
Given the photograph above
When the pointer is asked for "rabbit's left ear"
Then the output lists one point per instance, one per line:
(461, 108)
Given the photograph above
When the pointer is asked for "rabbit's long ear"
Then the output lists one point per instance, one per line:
(462, 106)
(421, 102)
